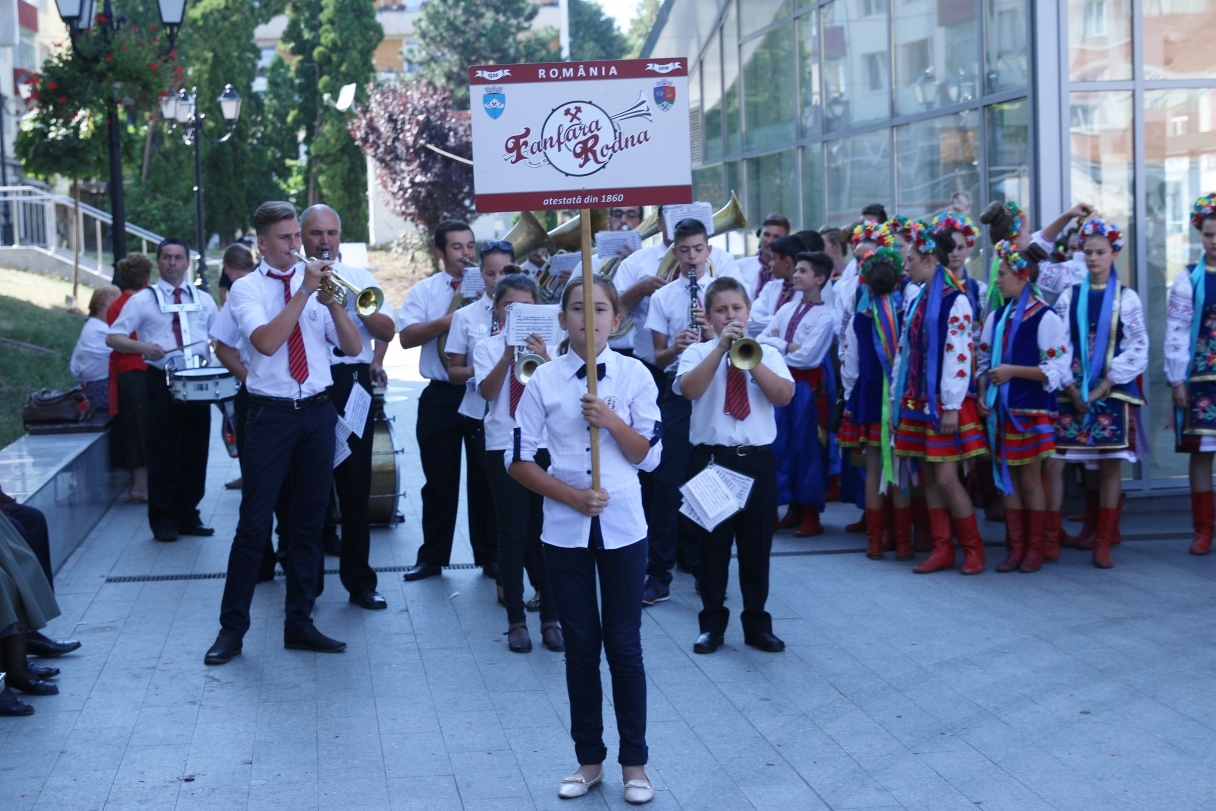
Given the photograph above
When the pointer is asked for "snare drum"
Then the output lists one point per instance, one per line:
(205, 385)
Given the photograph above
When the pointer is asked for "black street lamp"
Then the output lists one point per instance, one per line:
(6, 218)
(182, 108)
(79, 16)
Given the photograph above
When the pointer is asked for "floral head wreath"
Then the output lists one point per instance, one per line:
(960, 224)
(1100, 228)
(1204, 207)
(897, 226)
(1008, 253)
(887, 255)
(1015, 211)
(870, 231)
(921, 237)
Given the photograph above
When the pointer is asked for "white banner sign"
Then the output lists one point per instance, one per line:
(580, 134)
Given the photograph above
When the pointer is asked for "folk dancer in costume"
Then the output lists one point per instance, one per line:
(733, 426)
(170, 320)
(1190, 368)
(519, 512)
(937, 425)
(1020, 366)
(869, 348)
(1107, 344)
(594, 534)
(779, 290)
(801, 331)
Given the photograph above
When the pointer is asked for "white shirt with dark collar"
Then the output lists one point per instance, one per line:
(143, 316)
(551, 410)
(470, 326)
(634, 268)
(427, 301)
(226, 331)
(669, 309)
(256, 300)
(710, 424)
(362, 279)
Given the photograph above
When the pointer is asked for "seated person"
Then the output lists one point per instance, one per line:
(27, 604)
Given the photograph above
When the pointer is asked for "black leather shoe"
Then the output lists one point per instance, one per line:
(226, 646)
(36, 644)
(196, 529)
(11, 705)
(370, 600)
(165, 535)
(765, 642)
(309, 638)
(41, 671)
(33, 687)
(421, 571)
(707, 643)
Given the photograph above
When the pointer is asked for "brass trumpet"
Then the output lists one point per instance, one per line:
(745, 354)
(368, 300)
(526, 364)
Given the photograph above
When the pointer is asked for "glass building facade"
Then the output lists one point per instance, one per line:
(815, 108)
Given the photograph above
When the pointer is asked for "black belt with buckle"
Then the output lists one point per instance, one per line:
(287, 402)
(737, 450)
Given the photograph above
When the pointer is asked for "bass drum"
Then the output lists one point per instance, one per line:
(382, 504)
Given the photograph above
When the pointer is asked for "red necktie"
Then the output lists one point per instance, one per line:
(517, 389)
(737, 404)
(177, 317)
(297, 358)
(456, 284)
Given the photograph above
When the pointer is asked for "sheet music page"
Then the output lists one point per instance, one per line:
(609, 243)
(357, 405)
(712, 496)
(472, 283)
(688, 211)
(524, 319)
(341, 446)
(687, 509)
(739, 484)
(564, 261)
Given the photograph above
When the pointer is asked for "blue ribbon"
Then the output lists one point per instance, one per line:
(997, 411)
(902, 383)
(1093, 361)
(933, 346)
(1198, 290)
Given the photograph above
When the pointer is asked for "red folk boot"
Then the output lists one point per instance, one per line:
(1084, 539)
(903, 534)
(857, 526)
(793, 517)
(1051, 536)
(1015, 541)
(942, 556)
(888, 525)
(922, 533)
(1203, 518)
(810, 523)
(874, 522)
(968, 532)
(1108, 523)
(1036, 541)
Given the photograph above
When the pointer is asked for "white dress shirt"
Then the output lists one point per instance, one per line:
(227, 332)
(91, 357)
(669, 309)
(470, 326)
(551, 406)
(256, 299)
(634, 268)
(710, 424)
(814, 334)
(749, 273)
(142, 315)
(765, 307)
(362, 279)
(499, 424)
(429, 300)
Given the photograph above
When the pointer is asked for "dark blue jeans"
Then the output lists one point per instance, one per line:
(617, 630)
(671, 536)
(281, 442)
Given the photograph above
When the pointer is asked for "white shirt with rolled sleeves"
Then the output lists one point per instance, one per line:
(470, 326)
(362, 279)
(256, 300)
(499, 424)
(710, 424)
(1051, 342)
(429, 300)
(551, 407)
(634, 268)
(669, 309)
(91, 357)
(143, 316)
(814, 334)
(226, 331)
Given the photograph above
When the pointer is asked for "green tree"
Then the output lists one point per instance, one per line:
(279, 137)
(644, 18)
(593, 34)
(454, 34)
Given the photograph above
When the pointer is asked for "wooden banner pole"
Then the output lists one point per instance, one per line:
(589, 330)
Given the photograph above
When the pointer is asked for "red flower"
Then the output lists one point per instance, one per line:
(960, 373)
(109, 58)
(954, 319)
(64, 100)
(1065, 420)
(134, 27)
(124, 47)
(51, 86)
(1051, 352)
(1105, 420)
(949, 347)
(153, 66)
(962, 358)
(173, 54)
(152, 27)
(1203, 402)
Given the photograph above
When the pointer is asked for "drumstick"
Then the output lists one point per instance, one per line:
(183, 346)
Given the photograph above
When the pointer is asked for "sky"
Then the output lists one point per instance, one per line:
(620, 10)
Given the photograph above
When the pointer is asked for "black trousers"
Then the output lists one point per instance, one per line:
(441, 431)
(178, 435)
(353, 481)
(750, 529)
(521, 516)
(281, 441)
(30, 523)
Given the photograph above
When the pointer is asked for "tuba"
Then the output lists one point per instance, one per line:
(728, 218)
(567, 238)
(526, 235)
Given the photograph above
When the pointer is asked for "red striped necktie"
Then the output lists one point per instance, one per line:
(177, 317)
(737, 404)
(517, 388)
(297, 358)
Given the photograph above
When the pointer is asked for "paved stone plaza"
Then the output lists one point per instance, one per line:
(1071, 689)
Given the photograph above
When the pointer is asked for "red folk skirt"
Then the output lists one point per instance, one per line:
(916, 437)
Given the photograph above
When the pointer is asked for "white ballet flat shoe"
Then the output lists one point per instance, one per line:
(576, 785)
(638, 792)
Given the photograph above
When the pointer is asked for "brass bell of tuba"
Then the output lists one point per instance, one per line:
(526, 235)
